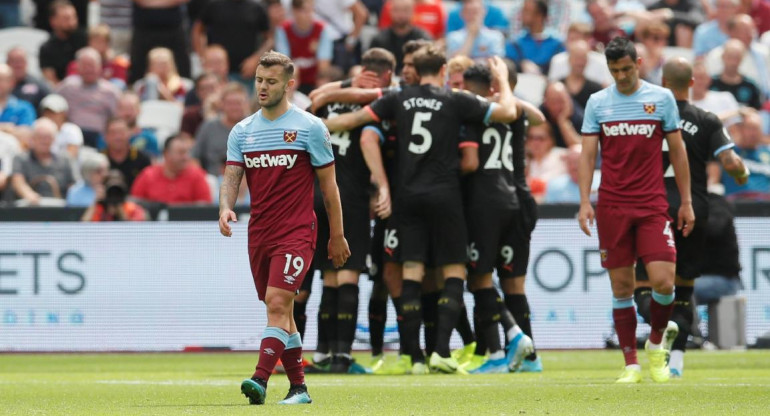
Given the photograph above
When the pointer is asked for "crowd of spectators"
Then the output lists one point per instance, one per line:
(71, 131)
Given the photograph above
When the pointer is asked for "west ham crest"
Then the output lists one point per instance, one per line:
(649, 108)
(289, 136)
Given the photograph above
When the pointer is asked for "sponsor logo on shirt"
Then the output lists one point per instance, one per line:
(270, 161)
(628, 129)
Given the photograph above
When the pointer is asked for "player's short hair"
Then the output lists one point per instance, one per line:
(479, 74)
(618, 48)
(429, 60)
(459, 63)
(378, 60)
(273, 58)
(677, 73)
(414, 45)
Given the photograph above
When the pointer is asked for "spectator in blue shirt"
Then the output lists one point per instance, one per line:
(84, 192)
(756, 157)
(712, 34)
(475, 40)
(16, 116)
(534, 48)
(494, 18)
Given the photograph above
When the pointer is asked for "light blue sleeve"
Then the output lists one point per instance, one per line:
(325, 46)
(282, 42)
(234, 153)
(454, 40)
(590, 125)
(671, 113)
(319, 145)
(699, 41)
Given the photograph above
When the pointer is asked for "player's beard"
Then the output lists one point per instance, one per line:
(271, 103)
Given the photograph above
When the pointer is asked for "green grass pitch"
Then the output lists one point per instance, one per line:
(574, 382)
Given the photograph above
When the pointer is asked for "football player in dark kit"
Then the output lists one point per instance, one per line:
(432, 223)
(705, 139)
(339, 300)
(492, 213)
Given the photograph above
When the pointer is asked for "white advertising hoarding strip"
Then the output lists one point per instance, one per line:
(167, 286)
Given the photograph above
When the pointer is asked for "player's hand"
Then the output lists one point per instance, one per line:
(338, 250)
(498, 68)
(366, 79)
(741, 180)
(224, 218)
(382, 206)
(686, 221)
(586, 217)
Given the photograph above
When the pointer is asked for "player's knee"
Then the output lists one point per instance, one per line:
(513, 286)
(277, 306)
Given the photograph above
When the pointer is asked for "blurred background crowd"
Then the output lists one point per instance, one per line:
(124, 102)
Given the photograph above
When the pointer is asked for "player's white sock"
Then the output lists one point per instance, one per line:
(511, 334)
(654, 347)
(636, 367)
(497, 355)
(676, 360)
(319, 356)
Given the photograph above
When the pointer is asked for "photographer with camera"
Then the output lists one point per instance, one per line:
(111, 204)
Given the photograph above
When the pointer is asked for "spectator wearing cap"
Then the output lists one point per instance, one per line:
(110, 203)
(66, 39)
(92, 99)
(93, 170)
(475, 40)
(129, 161)
(533, 50)
(28, 88)
(176, 180)
(142, 139)
(714, 33)
(40, 173)
(15, 115)
(69, 139)
(211, 140)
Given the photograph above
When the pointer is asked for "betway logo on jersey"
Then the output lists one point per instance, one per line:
(270, 161)
(628, 129)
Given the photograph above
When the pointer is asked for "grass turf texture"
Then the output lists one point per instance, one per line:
(574, 382)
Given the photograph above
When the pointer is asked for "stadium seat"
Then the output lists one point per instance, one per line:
(531, 87)
(28, 38)
(163, 116)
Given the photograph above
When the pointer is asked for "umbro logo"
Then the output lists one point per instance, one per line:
(269, 351)
(289, 279)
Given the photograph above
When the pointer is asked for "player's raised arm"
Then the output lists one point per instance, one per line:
(370, 148)
(338, 246)
(346, 95)
(586, 165)
(349, 121)
(507, 110)
(677, 154)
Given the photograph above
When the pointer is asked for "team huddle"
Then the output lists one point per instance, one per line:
(442, 172)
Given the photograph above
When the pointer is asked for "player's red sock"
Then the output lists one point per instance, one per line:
(273, 344)
(660, 312)
(625, 326)
(292, 360)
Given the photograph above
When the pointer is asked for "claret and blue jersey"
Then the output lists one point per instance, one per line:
(279, 158)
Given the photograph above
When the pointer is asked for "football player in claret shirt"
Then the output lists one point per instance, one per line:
(432, 224)
(280, 149)
(705, 139)
(631, 118)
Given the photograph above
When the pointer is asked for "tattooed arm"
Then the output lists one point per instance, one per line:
(228, 194)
